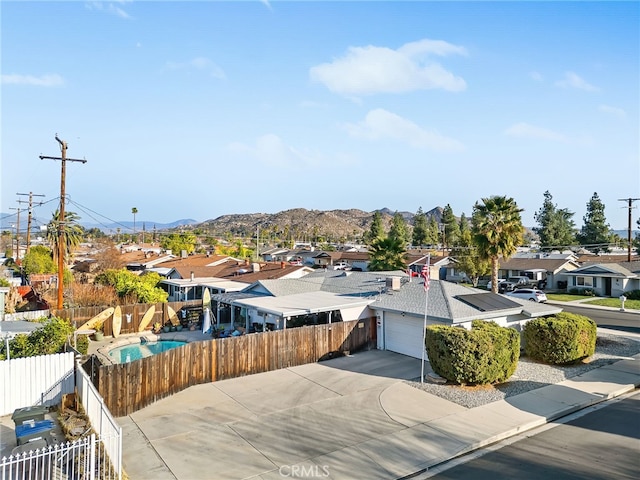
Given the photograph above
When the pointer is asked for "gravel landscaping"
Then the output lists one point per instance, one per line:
(530, 374)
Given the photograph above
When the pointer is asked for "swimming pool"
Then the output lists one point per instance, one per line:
(129, 353)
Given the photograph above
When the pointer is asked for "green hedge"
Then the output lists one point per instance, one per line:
(560, 339)
(632, 295)
(485, 354)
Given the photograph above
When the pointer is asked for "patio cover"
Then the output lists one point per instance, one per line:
(303, 303)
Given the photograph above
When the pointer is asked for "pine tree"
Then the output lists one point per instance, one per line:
(595, 234)
(376, 231)
(433, 232)
(419, 228)
(399, 229)
(450, 225)
(557, 228)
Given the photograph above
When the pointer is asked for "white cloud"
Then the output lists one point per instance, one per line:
(537, 76)
(271, 151)
(370, 70)
(198, 63)
(572, 80)
(48, 80)
(618, 112)
(109, 7)
(380, 124)
(525, 130)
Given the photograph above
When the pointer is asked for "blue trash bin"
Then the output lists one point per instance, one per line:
(34, 430)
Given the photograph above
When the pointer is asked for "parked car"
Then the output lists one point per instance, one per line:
(341, 266)
(503, 286)
(532, 294)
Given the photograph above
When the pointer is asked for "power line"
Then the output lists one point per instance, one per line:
(629, 207)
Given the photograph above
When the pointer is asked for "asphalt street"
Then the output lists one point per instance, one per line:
(628, 321)
(603, 444)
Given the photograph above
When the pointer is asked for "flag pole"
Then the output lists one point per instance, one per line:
(426, 276)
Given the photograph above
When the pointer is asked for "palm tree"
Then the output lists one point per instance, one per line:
(497, 231)
(134, 210)
(387, 254)
(71, 232)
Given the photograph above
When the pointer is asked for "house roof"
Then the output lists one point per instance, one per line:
(445, 305)
(593, 258)
(199, 260)
(549, 264)
(623, 269)
(303, 303)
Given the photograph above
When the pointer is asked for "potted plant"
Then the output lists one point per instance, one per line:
(157, 327)
(166, 328)
(98, 335)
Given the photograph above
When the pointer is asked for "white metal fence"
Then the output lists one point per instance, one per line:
(40, 380)
(73, 460)
(103, 423)
(30, 315)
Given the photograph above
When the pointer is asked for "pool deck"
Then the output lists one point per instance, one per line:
(101, 348)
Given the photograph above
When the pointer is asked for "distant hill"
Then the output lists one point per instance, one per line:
(306, 223)
(9, 219)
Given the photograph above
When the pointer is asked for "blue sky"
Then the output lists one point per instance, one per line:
(200, 109)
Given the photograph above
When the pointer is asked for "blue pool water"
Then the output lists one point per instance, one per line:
(129, 353)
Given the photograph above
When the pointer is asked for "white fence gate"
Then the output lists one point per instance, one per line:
(73, 460)
(42, 380)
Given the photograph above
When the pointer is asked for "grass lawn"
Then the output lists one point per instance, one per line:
(614, 302)
(565, 297)
(603, 302)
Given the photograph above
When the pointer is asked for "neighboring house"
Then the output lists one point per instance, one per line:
(549, 268)
(357, 260)
(606, 279)
(438, 266)
(183, 289)
(188, 283)
(543, 267)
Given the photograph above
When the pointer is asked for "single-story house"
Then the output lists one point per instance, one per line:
(400, 312)
(395, 300)
(606, 279)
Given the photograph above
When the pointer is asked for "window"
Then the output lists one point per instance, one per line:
(585, 281)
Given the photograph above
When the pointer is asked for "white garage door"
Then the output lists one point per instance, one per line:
(404, 335)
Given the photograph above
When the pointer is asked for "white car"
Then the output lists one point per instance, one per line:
(341, 266)
(532, 294)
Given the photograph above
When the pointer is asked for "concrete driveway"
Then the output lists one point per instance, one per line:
(350, 417)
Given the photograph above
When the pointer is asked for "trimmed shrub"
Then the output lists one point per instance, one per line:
(560, 339)
(486, 354)
(632, 295)
(586, 291)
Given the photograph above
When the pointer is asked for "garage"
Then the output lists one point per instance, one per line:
(404, 335)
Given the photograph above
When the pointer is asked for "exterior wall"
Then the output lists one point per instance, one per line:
(355, 313)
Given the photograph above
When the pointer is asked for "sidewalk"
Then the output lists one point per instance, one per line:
(351, 417)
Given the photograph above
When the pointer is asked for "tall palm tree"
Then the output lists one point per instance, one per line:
(134, 210)
(497, 231)
(71, 233)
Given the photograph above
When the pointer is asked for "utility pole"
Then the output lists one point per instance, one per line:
(629, 207)
(30, 202)
(17, 259)
(61, 243)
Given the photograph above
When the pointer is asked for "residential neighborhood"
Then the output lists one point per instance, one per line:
(319, 240)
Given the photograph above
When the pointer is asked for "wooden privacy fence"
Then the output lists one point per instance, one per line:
(129, 387)
(78, 316)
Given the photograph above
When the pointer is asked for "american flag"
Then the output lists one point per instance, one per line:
(425, 274)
